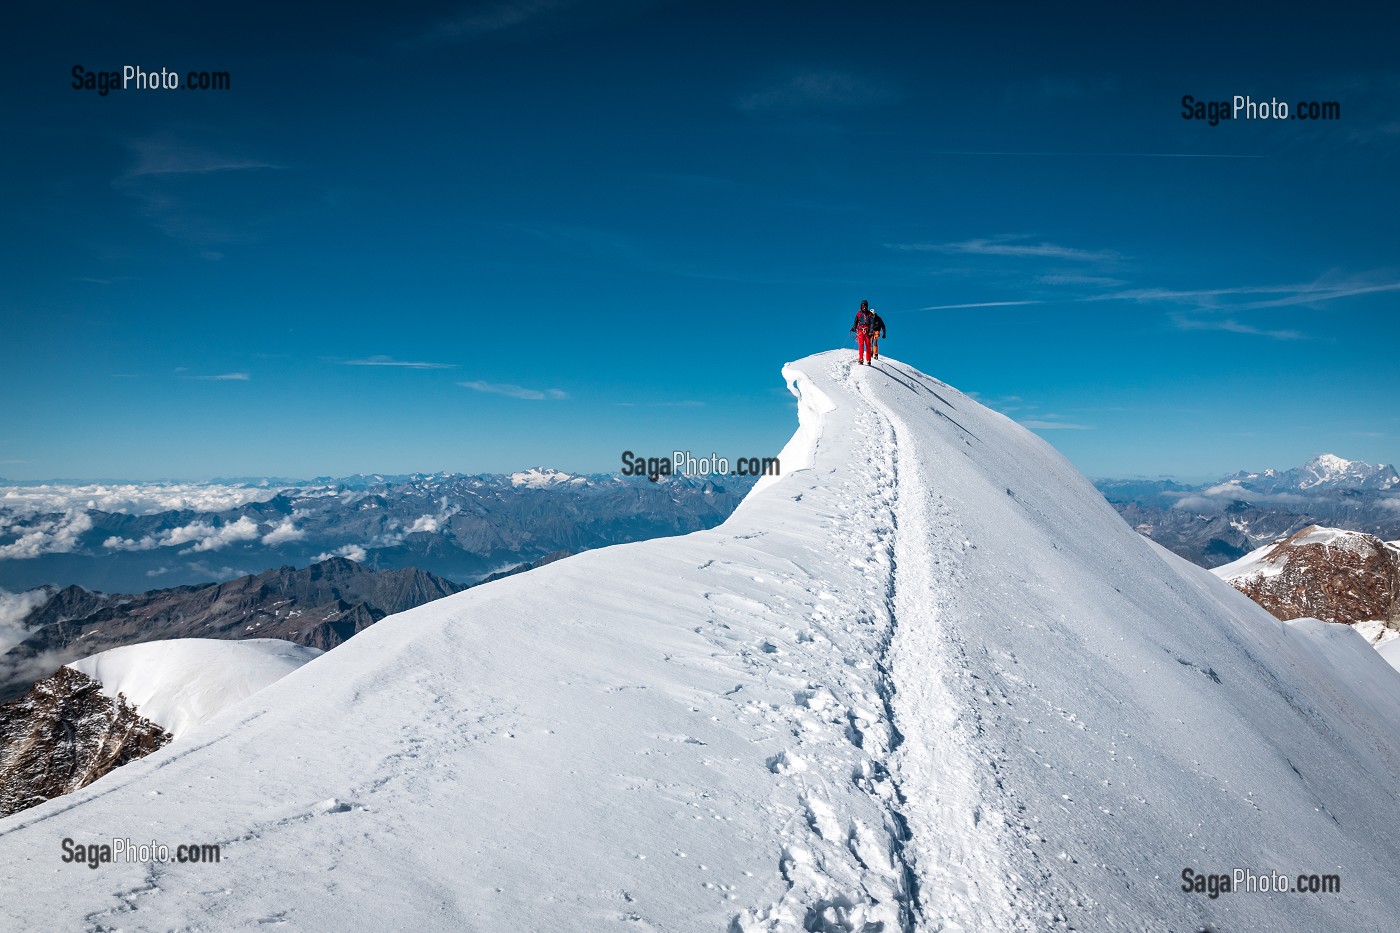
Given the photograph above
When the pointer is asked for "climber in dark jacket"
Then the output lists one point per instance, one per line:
(877, 330)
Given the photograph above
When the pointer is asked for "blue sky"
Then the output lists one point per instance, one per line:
(481, 236)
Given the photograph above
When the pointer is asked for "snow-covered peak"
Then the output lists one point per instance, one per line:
(181, 683)
(1326, 468)
(1330, 463)
(1322, 475)
(1330, 470)
(544, 477)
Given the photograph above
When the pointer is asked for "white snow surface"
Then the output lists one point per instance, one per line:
(1256, 565)
(927, 680)
(1376, 632)
(1334, 537)
(1390, 650)
(181, 683)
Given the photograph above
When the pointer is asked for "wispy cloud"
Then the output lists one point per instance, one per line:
(130, 498)
(355, 552)
(1056, 426)
(1230, 325)
(982, 304)
(1221, 309)
(1286, 295)
(389, 361)
(200, 535)
(162, 180)
(285, 532)
(1227, 309)
(225, 377)
(514, 391)
(1218, 497)
(1074, 278)
(93, 280)
(1009, 246)
(14, 608)
(819, 90)
(163, 155)
(683, 403)
(52, 534)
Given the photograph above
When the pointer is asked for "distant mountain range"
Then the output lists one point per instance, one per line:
(1214, 523)
(318, 606)
(128, 537)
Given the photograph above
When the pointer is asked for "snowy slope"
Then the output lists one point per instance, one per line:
(1390, 650)
(926, 680)
(180, 683)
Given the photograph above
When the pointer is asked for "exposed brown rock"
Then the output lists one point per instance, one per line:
(63, 735)
(1336, 576)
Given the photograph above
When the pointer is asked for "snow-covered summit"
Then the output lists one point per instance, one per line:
(1331, 470)
(543, 477)
(925, 680)
(183, 682)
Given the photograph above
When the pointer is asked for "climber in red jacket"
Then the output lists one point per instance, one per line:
(862, 328)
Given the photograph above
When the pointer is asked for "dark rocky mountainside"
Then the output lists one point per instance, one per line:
(64, 734)
(320, 606)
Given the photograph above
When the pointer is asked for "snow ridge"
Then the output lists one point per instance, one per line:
(960, 878)
(181, 683)
(846, 874)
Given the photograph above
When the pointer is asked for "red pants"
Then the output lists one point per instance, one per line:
(863, 349)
